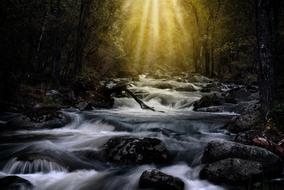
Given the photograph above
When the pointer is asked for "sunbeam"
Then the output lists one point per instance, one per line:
(155, 34)
(141, 36)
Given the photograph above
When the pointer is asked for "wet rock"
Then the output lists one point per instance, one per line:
(133, 150)
(37, 118)
(249, 119)
(15, 183)
(92, 100)
(232, 171)
(243, 123)
(208, 101)
(157, 180)
(240, 93)
(248, 136)
(247, 107)
(212, 109)
(92, 94)
(214, 86)
(219, 150)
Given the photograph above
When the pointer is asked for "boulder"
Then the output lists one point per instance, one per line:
(213, 86)
(157, 180)
(15, 183)
(240, 93)
(247, 107)
(233, 171)
(37, 118)
(134, 150)
(208, 101)
(92, 94)
(249, 119)
(243, 123)
(220, 150)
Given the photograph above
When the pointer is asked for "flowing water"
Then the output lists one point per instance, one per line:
(61, 167)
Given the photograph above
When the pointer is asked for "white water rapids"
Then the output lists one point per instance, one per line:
(184, 132)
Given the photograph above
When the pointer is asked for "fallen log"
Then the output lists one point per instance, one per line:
(123, 87)
(269, 145)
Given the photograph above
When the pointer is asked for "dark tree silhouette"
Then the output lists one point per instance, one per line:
(266, 36)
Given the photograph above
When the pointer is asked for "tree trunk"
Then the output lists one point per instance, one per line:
(196, 41)
(212, 73)
(207, 59)
(265, 37)
(196, 55)
(81, 33)
(56, 57)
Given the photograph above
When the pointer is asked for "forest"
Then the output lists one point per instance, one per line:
(142, 94)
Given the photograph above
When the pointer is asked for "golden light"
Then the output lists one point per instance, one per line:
(155, 33)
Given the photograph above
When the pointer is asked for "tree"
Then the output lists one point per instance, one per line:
(266, 36)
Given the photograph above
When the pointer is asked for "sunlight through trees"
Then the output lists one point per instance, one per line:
(155, 33)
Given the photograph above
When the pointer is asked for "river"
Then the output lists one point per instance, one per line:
(184, 132)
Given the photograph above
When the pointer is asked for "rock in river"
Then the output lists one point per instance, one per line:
(208, 101)
(220, 150)
(250, 117)
(15, 183)
(38, 118)
(157, 180)
(134, 150)
(233, 171)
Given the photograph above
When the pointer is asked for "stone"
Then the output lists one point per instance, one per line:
(38, 118)
(220, 150)
(15, 183)
(158, 180)
(249, 119)
(134, 150)
(233, 171)
(208, 101)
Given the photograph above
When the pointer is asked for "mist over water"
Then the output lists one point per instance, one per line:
(53, 158)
